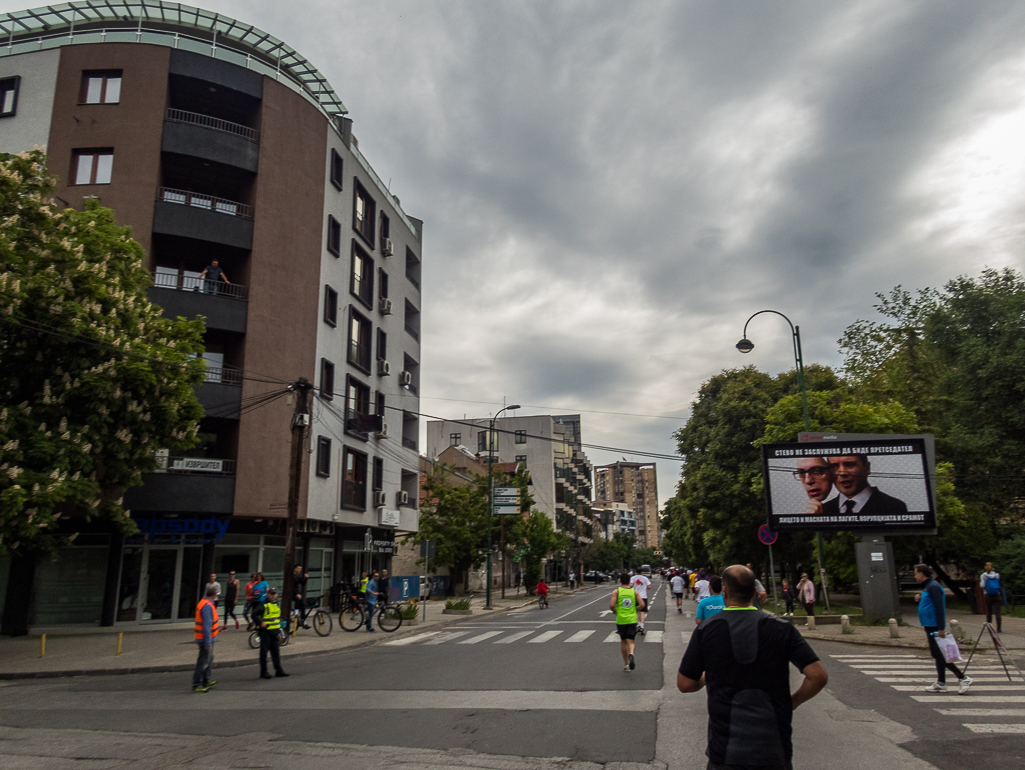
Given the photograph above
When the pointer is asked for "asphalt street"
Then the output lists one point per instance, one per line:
(530, 688)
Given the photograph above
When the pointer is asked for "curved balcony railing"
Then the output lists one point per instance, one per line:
(217, 124)
(183, 281)
(208, 202)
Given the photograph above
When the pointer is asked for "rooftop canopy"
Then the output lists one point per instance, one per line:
(171, 24)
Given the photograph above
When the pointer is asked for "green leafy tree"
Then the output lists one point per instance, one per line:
(94, 379)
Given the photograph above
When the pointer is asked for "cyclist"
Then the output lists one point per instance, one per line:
(542, 590)
(267, 617)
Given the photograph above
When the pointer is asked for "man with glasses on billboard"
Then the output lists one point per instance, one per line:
(816, 476)
(856, 495)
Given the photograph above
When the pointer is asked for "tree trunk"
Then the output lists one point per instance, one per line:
(945, 578)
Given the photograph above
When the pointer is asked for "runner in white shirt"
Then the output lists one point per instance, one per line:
(677, 582)
(703, 588)
(640, 585)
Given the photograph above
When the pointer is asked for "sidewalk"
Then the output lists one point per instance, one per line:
(171, 648)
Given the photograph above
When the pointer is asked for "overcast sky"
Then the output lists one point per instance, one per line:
(610, 189)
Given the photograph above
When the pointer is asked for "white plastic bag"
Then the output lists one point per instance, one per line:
(948, 646)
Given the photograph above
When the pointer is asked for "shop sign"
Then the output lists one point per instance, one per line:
(389, 518)
(199, 464)
(384, 546)
(195, 526)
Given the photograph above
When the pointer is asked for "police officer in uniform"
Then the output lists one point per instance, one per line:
(267, 617)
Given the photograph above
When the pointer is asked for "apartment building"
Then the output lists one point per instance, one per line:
(216, 141)
(636, 485)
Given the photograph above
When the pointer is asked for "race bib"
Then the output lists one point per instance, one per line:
(627, 602)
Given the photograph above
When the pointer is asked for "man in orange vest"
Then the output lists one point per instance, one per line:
(207, 627)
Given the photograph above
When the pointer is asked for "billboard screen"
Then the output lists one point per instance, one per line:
(868, 485)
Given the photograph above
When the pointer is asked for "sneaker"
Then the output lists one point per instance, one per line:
(631, 665)
(280, 673)
(210, 684)
(626, 668)
(936, 687)
(964, 684)
(236, 625)
(199, 688)
(265, 675)
(680, 610)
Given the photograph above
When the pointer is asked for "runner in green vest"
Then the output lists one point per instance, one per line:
(624, 604)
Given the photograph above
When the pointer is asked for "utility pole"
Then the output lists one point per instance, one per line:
(300, 422)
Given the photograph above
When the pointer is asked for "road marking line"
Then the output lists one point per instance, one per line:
(545, 637)
(685, 635)
(654, 637)
(411, 639)
(974, 699)
(513, 637)
(613, 637)
(579, 636)
(447, 637)
(1005, 729)
(975, 687)
(931, 679)
(480, 638)
(867, 657)
(982, 712)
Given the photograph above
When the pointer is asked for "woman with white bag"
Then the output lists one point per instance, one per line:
(932, 615)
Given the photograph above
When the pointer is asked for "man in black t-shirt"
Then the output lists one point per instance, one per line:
(742, 654)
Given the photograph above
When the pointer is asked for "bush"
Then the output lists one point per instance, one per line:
(457, 604)
(409, 611)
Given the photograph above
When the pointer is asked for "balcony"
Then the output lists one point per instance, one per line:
(204, 217)
(182, 294)
(221, 392)
(211, 139)
(186, 485)
(409, 443)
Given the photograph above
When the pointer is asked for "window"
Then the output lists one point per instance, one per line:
(330, 306)
(327, 378)
(385, 226)
(362, 282)
(93, 166)
(9, 96)
(412, 320)
(334, 236)
(482, 441)
(454, 439)
(382, 282)
(382, 345)
(412, 268)
(522, 459)
(364, 214)
(358, 417)
(521, 437)
(359, 341)
(379, 406)
(378, 481)
(323, 456)
(100, 87)
(336, 169)
(354, 479)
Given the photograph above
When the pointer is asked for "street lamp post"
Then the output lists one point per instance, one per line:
(746, 346)
(491, 494)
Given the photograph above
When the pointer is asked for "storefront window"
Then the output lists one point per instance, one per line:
(69, 586)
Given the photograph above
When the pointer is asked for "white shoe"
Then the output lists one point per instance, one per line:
(936, 687)
(964, 684)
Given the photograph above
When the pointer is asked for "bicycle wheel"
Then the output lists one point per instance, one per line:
(254, 640)
(283, 637)
(322, 622)
(351, 618)
(389, 618)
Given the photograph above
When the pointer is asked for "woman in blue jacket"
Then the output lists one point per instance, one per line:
(933, 617)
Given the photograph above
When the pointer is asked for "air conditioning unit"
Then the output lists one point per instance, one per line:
(385, 306)
(383, 433)
(402, 497)
(380, 498)
(383, 367)
(386, 247)
(405, 378)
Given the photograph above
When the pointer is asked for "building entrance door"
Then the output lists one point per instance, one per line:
(159, 583)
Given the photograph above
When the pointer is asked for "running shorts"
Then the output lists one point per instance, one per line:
(627, 630)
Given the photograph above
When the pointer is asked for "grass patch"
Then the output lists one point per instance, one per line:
(457, 604)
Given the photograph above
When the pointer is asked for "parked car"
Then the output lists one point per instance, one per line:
(594, 577)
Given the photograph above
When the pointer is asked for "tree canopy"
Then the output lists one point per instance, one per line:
(94, 379)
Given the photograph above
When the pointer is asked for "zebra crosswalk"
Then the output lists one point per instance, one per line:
(511, 636)
(992, 687)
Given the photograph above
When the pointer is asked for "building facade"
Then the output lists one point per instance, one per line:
(216, 141)
(636, 485)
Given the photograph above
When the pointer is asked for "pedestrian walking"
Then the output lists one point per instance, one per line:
(624, 603)
(789, 594)
(990, 583)
(372, 596)
(572, 580)
(213, 583)
(267, 617)
(384, 587)
(806, 594)
(248, 608)
(712, 604)
(206, 629)
(932, 614)
(231, 599)
(760, 592)
(299, 579)
(742, 656)
(703, 587)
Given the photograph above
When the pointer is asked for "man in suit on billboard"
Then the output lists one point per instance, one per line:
(856, 495)
(816, 476)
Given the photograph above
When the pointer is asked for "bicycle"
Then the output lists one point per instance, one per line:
(351, 617)
(542, 601)
(254, 638)
(389, 617)
(319, 619)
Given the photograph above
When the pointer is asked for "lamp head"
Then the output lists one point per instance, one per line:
(513, 406)
(745, 345)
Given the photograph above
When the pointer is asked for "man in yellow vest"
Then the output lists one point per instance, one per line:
(208, 624)
(624, 604)
(267, 617)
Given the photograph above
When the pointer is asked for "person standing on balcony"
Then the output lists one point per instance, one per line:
(211, 276)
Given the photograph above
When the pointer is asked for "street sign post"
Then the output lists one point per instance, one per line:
(427, 550)
(768, 537)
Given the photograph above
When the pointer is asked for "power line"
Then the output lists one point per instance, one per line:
(552, 408)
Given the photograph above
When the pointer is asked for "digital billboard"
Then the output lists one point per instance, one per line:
(868, 485)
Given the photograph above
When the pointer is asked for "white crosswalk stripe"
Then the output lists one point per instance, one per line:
(579, 636)
(992, 687)
(542, 638)
(513, 637)
(613, 637)
(411, 639)
(533, 636)
(480, 638)
(653, 637)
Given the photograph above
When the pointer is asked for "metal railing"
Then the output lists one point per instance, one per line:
(181, 282)
(208, 202)
(224, 375)
(217, 124)
(409, 443)
(195, 466)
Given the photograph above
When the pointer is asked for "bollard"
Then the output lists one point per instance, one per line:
(894, 633)
(957, 630)
(811, 622)
(845, 625)
(42, 645)
(121, 634)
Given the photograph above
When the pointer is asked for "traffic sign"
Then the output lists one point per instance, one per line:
(766, 536)
(506, 510)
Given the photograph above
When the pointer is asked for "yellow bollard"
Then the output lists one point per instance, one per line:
(119, 636)
(42, 645)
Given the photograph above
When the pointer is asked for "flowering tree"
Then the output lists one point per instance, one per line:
(92, 379)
